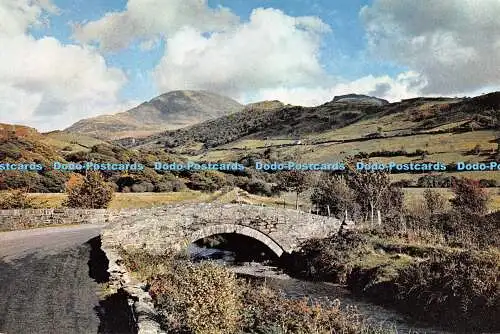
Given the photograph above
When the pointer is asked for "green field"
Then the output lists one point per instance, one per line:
(144, 200)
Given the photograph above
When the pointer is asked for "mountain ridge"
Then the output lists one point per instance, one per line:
(337, 121)
(172, 110)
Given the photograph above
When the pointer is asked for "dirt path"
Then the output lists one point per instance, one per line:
(45, 281)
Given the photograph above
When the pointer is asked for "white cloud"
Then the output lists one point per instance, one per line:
(455, 44)
(271, 50)
(16, 16)
(45, 83)
(146, 19)
(405, 85)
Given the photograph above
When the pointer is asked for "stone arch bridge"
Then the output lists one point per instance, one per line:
(176, 226)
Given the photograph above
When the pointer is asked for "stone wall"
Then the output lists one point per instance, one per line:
(175, 226)
(29, 218)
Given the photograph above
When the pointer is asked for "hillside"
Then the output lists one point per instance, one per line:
(421, 129)
(172, 110)
(416, 130)
(21, 143)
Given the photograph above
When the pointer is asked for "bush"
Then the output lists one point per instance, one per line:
(15, 199)
(208, 299)
(169, 186)
(142, 187)
(470, 197)
(258, 187)
(267, 312)
(203, 298)
(89, 191)
(434, 201)
(461, 289)
(330, 258)
(208, 181)
(469, 230)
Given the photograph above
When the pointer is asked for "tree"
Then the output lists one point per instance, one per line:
(90, 191)
(470, 197)
(434, 201)
(333, 191)
(295, 181)
(374, 191)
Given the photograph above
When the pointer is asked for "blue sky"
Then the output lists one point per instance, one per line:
(69, 59)
(342, 51)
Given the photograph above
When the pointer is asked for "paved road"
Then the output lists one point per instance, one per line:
(45, 281)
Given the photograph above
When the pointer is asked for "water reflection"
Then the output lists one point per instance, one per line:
(221, 256)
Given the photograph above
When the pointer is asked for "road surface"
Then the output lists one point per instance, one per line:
(48, 281)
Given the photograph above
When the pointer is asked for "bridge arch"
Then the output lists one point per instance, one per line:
(238, 229)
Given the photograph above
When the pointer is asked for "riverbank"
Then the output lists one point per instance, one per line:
(209, 298)
(290, 287)
(442, 285)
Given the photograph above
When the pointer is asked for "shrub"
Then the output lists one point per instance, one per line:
(330, 258)
(89, 191)
(208, 299)
(462, 289)
(267, 312)
(470, 197)
(142, 187)
(469, 230)
(15, 199)
(169, 186)
(203, 298)
(209, 181)
(258, 187)
(434, 201)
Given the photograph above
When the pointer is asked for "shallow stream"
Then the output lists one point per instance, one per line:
(326, 292)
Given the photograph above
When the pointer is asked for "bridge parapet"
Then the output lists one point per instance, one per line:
(175, 226)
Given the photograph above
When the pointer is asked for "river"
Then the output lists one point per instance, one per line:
(326, 292)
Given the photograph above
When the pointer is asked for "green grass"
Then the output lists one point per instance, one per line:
(142, 200)
(128, 200)
(76, 141)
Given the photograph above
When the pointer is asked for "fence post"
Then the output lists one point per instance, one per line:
(328, 207)
(379, 219)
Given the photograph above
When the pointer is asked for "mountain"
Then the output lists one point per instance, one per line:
(169, 111)
(440, 129)
(357, 98)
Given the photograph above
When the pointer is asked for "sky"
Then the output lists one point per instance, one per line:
(64, 60)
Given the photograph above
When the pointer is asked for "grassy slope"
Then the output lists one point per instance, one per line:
(426, 125)
(138, 200)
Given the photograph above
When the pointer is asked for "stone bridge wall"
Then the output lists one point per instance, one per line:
(175, 226)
